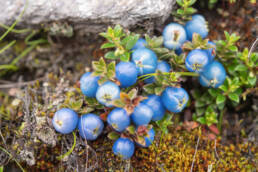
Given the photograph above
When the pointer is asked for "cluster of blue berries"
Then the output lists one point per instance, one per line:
(143, 61)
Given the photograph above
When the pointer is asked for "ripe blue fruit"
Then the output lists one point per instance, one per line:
(196, 26)
(139, 44)
(199, 17)
(174, 99)
(118, 119)
(124, 148)
(65, 120)
(148, 139)
(145, 60)
(174, 35)
(142, 114)
(196, 60)
(126, 73)
(212, 51)
(89, 84)
(213, 75)
(90, 126)
(107, 92)
(162, 66)
(155, 103)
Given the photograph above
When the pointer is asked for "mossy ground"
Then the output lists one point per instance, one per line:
(23, 131)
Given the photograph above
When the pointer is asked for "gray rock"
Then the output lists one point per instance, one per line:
(92, 15)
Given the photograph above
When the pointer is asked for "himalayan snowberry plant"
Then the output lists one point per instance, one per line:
(144, 81)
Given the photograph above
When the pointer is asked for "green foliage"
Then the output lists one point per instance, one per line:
(165, 122)
(185, 11)
(241, 76)
(119, 40)
(106, 72)
(30, 44)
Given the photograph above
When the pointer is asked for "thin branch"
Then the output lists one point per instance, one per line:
(196, 149)
(20, 84)
(253, 47)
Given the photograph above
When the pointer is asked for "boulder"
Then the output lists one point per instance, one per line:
(91, 15)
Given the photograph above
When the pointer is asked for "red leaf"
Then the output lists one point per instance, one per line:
(190, 125)
(214, 129)
(211, 136)
(103, 116)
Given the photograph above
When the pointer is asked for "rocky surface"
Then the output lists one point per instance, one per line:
(91, 15)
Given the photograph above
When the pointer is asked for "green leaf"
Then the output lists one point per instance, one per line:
(110, 55)
(201, 120)
(241, 67)
(113, 135)
(149, 88)
(118, 103)
(131, 129)
(180, 2)
(190, 10)
(199, 103)
(221, 106)
(118, 31)
(165, 122)
(132, 39)
(1, 168)
(107, 45)
(213, 92)
(111, 70)
(76, 105)
(159, 90)
(220, 99)
(133, 93)
(200, 111)
(125, 57)
(234, 97)
(252, 80)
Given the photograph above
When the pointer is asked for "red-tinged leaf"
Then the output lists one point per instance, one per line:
(142, 130)
(103, 116)
(138, 99)
(190, 125)
(129, 109)
(211, 136)
(125, 98)
(214, 129)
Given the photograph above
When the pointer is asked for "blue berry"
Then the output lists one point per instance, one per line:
(155, 103)
(65, 120)
(126, 73)
(174, 99)
(162, 66)
(124, 148)
(213, 75)
(145, 60)
(196, 60)
(148, 139)
(212, 51)
(118, 119)
(174, 35)
(142, 114)
(90, 126)
(107, 92)
(139, 44)
(196, 26)
(199, 17)
(89, 84)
